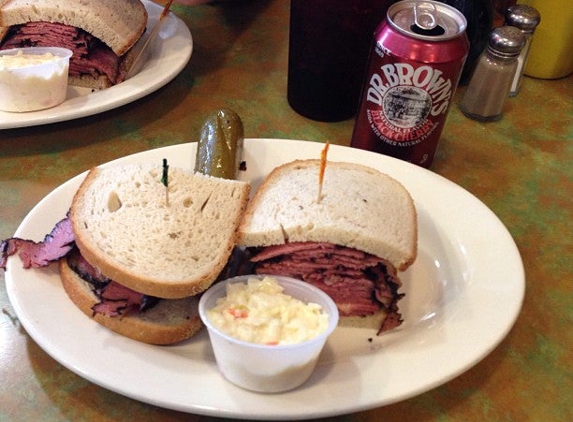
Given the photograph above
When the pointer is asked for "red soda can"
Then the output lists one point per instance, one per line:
(413, 70)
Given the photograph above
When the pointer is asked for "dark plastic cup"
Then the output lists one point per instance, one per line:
(328, 48)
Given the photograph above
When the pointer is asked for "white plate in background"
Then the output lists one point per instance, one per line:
(167, 56)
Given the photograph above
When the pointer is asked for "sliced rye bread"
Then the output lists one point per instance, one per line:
(168, 246)
(360, 208)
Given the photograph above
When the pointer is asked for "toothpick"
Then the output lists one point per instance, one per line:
(165, 180)
(135, 65)
(323, 155)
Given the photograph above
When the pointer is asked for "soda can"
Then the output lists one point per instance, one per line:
(414, 67)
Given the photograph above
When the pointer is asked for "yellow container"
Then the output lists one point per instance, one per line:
(551, 54)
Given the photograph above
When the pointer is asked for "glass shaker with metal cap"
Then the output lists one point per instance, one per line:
(491, 81)
(526, 18)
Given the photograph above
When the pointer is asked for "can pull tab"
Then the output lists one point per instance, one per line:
(426, 19)
(425, 16)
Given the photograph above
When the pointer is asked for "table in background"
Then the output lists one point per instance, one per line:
(520, 167)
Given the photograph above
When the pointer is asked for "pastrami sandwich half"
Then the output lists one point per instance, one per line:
(101, 34)
(134, 254)
(167, 244)
(351, 242)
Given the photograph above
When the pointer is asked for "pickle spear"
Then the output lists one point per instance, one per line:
(220, 148)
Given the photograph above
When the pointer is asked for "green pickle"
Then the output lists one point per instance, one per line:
(220, 148)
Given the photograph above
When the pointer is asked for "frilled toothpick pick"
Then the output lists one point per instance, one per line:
(323, 155)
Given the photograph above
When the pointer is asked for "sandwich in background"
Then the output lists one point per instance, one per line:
(351, 242)
(101, 34)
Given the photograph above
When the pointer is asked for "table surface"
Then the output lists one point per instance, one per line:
(520, 167)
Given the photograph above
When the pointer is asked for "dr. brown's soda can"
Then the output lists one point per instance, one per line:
(415, 63)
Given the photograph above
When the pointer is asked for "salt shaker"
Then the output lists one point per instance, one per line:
(490, 83)
(526, 18)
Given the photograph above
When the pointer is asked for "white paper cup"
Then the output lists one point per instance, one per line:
(265, 368)
(37, 86)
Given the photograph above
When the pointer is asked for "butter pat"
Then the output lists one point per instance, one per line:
(33, 78)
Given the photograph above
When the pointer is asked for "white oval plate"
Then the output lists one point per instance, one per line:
(463, 295)
(167, 56)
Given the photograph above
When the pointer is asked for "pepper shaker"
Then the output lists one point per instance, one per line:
(490, 83)
(526, 18)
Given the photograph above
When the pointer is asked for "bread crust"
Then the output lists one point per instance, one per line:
(360, 208)
(169, 322)
(373, 321)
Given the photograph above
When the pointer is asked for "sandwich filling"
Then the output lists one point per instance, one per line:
(114, 298)
(91, 56)
(360, 284)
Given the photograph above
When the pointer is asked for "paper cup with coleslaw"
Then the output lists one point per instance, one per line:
(267, 332)
(33, 78)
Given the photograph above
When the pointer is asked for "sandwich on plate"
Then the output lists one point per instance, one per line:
(101, 34)
(350, 237)
(139, 243)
